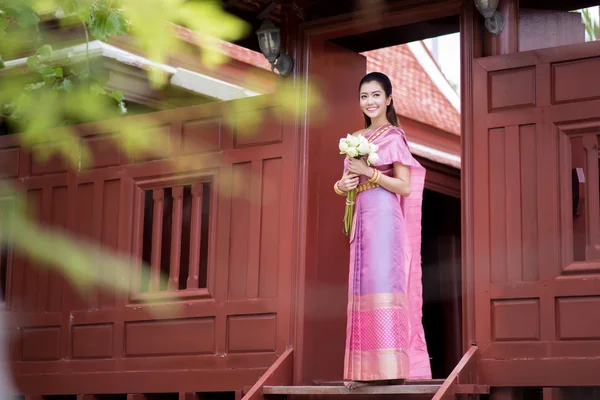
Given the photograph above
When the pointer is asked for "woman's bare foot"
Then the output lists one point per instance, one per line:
(354, 385)
(357, 384)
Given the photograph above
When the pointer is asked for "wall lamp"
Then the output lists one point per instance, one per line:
(269, 40)
(494, 21)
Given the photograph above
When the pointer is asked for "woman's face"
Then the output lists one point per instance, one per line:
(373, 100)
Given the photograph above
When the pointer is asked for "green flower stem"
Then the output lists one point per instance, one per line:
(349, 215)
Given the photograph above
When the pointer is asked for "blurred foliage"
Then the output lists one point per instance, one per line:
(47, 88)
(591, 25)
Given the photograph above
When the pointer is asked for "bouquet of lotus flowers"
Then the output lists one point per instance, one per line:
(356, 147)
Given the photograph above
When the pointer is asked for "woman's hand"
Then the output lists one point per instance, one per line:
(348, 182)
(359, 166)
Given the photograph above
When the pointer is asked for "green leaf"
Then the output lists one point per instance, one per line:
(66, 85)
(1, 63)
(33, 61)
(49, 74)
(45, 51)
(95, 88)
(118, 96)
(3, 25)
(116, 23)
(45, 70)
(34, 86)
(26, 17)
(98, 28)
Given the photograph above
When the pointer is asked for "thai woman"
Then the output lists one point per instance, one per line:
(385, 340)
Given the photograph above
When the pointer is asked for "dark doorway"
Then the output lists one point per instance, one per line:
(442, 281)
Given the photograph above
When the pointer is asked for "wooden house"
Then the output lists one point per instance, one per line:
(250, 239)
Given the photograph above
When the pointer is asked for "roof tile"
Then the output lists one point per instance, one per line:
(415, 95)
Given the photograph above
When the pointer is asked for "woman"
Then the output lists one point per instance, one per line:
(385, 340)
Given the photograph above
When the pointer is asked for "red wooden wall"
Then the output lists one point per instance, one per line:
(213, 215)
(536, 259)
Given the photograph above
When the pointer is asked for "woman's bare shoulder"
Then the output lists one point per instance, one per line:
(359, 132)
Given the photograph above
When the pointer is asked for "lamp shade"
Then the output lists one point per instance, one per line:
(269, 40)
(486, 7)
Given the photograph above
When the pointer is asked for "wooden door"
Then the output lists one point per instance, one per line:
(536, 254)
(335, 73)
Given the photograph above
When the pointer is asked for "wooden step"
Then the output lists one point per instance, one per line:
(408, 382)
(337, 390)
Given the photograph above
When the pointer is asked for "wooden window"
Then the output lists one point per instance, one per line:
(173, 239)
(585, 197)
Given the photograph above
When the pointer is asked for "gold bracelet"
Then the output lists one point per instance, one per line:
(337, 189)
(378, 177)
(375, 176)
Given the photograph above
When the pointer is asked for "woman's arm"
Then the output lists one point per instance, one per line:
(399, 184)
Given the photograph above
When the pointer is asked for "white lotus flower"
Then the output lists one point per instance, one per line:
(352, 140)
(352, 152)
(373, 148)
(343, 145)
(363, 148)
(373, 158)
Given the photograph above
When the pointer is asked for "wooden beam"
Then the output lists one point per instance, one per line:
(449, 386)
(280, 373)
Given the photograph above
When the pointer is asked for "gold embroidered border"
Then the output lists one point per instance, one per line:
(384, 364)
(380, 300)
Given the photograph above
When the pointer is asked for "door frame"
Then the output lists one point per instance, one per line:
(311, 37)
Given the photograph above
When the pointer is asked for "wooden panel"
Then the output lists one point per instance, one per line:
(103, 150)
(42, 163)
(251, 333)
(85, 212)
(511, 88)
(40, 344)
(31, 279)
(109, 235)
(115, 382)
(572, 80)
(152, 338)
(516, 319)
(513, 205)
(92, 341)
(578, 318)
(252, 134)
(528, 160)
(513, 168)
(241, 210)
(201, 136)
(59, 221)
(160, 139)
(270, 229)
(497, 182)
(9, 162)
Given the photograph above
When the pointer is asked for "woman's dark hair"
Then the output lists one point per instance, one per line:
(385, 83)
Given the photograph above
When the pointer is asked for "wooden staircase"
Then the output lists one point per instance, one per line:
(276, 383)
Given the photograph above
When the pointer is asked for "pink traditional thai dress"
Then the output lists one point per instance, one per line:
(385, 339)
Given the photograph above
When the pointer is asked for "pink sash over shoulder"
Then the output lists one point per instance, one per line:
(385, 339)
